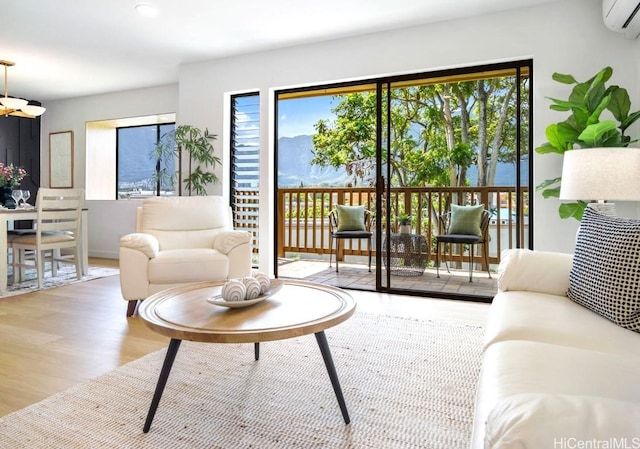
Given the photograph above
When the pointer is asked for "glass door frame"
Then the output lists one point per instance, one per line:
(523, 69)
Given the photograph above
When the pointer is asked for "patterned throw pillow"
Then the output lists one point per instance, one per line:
(466, 219)
(350, 218)
(605, 276)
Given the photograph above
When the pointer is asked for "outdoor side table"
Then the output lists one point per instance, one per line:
(408, 254)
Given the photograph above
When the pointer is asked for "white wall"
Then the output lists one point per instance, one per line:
(108, 221)
(567, 37)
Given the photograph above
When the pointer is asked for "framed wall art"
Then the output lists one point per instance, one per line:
(61, 159)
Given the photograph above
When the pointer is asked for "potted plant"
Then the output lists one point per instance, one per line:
(404, 220)
(584, 129)
(196, 145)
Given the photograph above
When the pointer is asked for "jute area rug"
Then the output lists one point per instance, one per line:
(407, 384)
(65, 275)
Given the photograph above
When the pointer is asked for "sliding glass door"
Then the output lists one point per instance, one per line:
(407, 149)
(456, 141)
(326, 147)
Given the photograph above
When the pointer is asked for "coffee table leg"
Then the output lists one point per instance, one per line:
(256, 350)
(333, 375)
(174, 345)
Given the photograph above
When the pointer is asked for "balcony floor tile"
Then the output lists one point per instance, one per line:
(357, 276)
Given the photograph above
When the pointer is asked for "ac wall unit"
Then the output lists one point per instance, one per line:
(622, 16)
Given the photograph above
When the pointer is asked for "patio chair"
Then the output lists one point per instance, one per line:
(349, 222)
(465, 225)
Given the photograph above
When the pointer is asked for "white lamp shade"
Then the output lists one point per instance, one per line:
(13, 103)
(601, 174)
(34, 110)
(16, 107)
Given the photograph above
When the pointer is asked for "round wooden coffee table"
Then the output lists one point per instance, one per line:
(298, 308)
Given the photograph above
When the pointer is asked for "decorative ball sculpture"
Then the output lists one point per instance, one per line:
(252, 287)
(264, 281)
(234, 290)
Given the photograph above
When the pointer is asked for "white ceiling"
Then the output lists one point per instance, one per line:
(71, 48)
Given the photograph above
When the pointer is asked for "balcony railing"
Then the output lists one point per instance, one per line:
(303, 226)
(245, 213)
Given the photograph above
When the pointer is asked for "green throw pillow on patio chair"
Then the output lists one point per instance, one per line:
(466, 219)
(350, 218)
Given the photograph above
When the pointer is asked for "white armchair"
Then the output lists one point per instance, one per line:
(180, 240)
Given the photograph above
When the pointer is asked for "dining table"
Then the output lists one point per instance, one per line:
(11, 215)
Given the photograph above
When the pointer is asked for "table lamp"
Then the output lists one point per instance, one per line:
(601, 174)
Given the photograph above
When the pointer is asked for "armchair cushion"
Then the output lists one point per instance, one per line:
(350, 218)
(188, 265)
(227, 240)
(605, 276)
(145, 243)
(465, 220)
(185, 222)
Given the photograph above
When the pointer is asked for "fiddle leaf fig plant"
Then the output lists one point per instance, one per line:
(583, 128)
(197, 146)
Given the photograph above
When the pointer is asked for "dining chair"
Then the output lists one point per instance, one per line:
(19, 228)
(465, 225)
(57, 229)
(349, 222)
(11, 236)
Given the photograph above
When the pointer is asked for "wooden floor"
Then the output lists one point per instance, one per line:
(54, 339)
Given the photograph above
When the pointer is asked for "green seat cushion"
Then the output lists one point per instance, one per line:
(466, 219)
(350, 218)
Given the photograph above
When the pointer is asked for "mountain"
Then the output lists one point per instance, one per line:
(294, 163)
(135, 144)
(295, 169)
(505, 174)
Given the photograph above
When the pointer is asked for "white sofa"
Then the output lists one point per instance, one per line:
(554, 374)
(180, 240)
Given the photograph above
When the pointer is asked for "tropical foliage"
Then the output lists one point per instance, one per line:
(583, 128)
(437, 132)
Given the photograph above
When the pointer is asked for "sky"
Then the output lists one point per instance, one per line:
(296, 117)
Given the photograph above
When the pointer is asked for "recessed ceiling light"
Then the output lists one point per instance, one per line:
(146, 10)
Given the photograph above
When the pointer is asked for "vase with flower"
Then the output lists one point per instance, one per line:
(10, 177)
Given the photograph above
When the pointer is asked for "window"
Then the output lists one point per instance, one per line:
(139, 173)
(245, 163)
(102, 162)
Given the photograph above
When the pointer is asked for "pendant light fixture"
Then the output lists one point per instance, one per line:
(16, 106)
